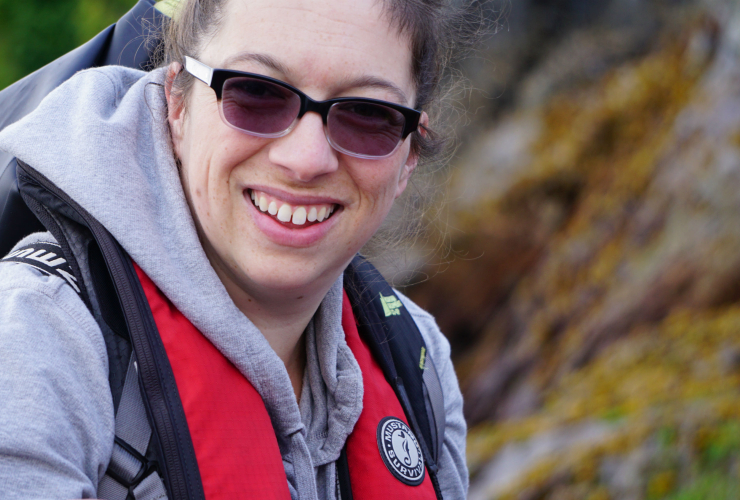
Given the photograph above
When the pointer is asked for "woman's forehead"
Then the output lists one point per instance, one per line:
(313, 42)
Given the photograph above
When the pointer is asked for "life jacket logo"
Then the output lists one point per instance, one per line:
(400, 451)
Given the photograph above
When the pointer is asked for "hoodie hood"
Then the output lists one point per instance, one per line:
(103, 138)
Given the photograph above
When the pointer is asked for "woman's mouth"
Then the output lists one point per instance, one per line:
(292, 215)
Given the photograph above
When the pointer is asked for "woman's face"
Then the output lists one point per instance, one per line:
(327, 49)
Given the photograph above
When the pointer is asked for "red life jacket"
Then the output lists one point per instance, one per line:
(235, 444)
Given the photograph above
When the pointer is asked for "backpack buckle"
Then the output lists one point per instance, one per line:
(117, 469)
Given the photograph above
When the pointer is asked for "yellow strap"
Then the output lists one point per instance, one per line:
(167, 7)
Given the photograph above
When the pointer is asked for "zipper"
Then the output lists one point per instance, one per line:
(162, 399)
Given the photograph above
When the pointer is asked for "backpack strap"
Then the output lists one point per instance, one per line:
(435, 401)
(170, 445)
(47, 258)
(398, 346)
(130, 474)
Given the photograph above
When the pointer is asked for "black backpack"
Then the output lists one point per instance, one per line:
(105, 279)
(129, 43)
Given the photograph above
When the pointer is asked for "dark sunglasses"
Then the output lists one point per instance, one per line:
(266, 107)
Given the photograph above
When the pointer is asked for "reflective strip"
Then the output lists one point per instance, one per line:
(45, 256)
(437, 402)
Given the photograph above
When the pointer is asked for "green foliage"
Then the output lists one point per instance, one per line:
(710, 486)
(35, 32)
(723, 444)
(666, 436)
(714, 473)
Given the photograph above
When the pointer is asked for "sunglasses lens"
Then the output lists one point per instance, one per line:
(365, 129)
(264, 108)
(259, 106)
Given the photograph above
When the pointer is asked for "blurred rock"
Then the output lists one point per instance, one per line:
(516, 459)
(597, 264)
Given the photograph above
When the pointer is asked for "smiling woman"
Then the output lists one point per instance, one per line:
(209, 215)
(266, 260)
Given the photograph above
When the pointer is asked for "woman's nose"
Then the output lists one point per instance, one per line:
(305, 152)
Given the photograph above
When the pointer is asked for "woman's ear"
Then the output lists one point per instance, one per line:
(175, 105)
(412, 159)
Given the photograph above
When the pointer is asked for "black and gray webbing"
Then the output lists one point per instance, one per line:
(130, 476)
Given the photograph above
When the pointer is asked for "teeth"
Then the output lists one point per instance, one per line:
(312, 214)
(285, 213)
(299, 216)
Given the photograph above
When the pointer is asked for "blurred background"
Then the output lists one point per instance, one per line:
(35, 32)
(591, 289)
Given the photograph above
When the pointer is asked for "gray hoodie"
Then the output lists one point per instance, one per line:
(102, 137)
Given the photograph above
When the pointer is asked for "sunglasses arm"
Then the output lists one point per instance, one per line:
(199, 70)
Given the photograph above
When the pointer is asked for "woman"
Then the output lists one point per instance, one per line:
(242, 201)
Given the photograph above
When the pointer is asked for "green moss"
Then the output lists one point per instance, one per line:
(722, 444)
(667, 387)
(664, 382)
(666, 436)
(710, 486)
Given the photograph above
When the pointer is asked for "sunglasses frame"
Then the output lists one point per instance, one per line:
(216, 78)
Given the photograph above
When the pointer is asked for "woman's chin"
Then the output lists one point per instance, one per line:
(288, 288)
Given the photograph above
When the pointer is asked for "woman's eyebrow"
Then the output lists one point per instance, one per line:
(377, 83)
(263, 59)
